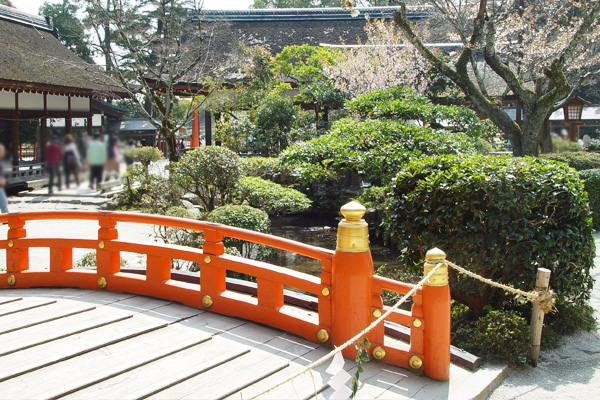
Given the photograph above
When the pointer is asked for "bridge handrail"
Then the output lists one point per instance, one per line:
(348, 295)
(313, 252)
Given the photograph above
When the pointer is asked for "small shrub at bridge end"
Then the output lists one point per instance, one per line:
(580, 160)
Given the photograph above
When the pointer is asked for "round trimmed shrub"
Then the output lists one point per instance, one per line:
(210, 172)
(241, 216)
(274, 199)
(580, 160)
(266, 168)
(500, 217)
(591, 182)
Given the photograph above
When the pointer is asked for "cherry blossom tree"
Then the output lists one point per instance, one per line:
(385, 60)
(542, 51)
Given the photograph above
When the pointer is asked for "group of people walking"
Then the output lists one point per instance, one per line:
(102, 160)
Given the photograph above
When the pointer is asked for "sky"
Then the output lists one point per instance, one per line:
(32, 6)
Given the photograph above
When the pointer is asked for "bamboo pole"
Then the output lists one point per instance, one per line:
(537, 317)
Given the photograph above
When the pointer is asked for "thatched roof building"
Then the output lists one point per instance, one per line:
(40, 78)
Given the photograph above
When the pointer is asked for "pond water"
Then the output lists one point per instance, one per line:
(319, 232)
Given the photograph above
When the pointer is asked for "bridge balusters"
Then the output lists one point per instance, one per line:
(158, 269)
(107, 261)
(61, 259)
(270, 294)
(17, 259)
(212, 279)
(325, 296)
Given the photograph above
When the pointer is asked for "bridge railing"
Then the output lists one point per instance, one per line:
(347, 293)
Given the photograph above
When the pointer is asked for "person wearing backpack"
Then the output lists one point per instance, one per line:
(71, 162)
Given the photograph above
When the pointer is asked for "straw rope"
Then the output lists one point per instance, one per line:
(352, 340)
(545, 298)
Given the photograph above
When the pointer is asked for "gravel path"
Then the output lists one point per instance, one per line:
(572, 371)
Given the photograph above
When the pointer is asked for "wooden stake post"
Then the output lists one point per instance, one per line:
(537, 317)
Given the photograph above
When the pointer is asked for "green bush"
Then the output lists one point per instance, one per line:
(500, 335)
(271, 197)
(591, 182)
(210, 172)
(242, 216)
(373, 149)
(88, 260)
(579, 160)
(145, 155)
(266, 168)
(560, 146)
(405, 104)
(500, 217)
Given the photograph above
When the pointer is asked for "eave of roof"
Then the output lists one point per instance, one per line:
(308, 14)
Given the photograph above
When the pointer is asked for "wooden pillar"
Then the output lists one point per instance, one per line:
(195, 142)
(90, 126)
(537, 318)
(68, 126)
(14, 139)
(43, 138)
(208, 128)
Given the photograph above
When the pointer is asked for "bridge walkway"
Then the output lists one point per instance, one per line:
(87, 344)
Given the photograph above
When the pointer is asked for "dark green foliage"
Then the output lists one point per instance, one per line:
(210, 172)
(374, 149)
(579, 160)
(242, 216)
(570, 318)
(594, 144)
(500, 335)
(591, 181)
(362, 356)
(500, 217)
(405, 104)
(271, 197)
(273, 118)
(266, 168)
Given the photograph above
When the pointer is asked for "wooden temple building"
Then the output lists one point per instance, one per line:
(41, 79)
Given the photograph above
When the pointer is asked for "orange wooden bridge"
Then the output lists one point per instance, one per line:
(346, 297)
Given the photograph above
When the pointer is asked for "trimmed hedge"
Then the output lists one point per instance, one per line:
(266, 168)
(500, 217)
(591, 182)
(272, 198)
(580, 160)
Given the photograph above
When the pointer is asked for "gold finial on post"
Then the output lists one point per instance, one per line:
(353, 231)
(433, 258)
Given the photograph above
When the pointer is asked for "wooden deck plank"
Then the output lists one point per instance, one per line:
(262, 361)
(303, 386)
(51, 312)
(27, 360)
(164, 373)
(101, 364)
(58, 329)
(22, 305)
(9, 299)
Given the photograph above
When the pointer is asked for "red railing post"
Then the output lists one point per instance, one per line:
(107, 261)
(16, 259)
(212, 279)
(436, 312)
(351, 278)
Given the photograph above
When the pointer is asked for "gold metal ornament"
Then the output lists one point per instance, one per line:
(207, 260)
(377, 313)
(207, 301)
(11, 280)
(353, 231)
(10, 243)
(433, 258)
(102, 283)
(417, 323)
(415, 362)
(322, 335)
(325, 291)
(101, 245)
(378, 353)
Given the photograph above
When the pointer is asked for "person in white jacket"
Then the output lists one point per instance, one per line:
(71, 162)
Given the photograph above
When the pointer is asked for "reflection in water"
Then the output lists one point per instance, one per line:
(320, 232)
